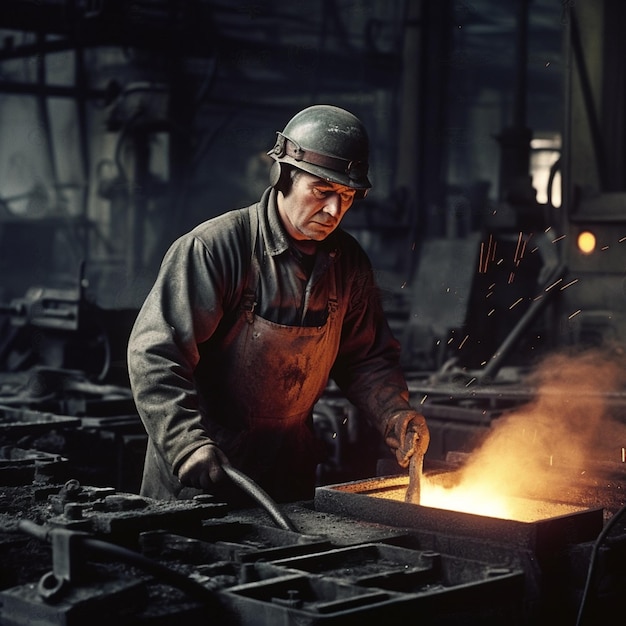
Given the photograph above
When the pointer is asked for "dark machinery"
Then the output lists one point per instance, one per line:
(78, 545)
(356, 552)
(64, 388)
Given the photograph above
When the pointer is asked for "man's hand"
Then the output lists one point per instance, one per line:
(203, 468)
(407, 434)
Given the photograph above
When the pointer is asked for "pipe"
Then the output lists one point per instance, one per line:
(591, 572)
(104, 548)
(587, 93)
(494, 365)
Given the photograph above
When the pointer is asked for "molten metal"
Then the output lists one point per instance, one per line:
(479, 500)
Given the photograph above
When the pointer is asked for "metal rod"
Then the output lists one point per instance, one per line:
(521, 69)
(494, 365)
(414, 490)
(587, 92)
(52, 91)
(260, 496)
(107, 549)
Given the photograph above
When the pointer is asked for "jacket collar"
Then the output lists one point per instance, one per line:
(274, 234)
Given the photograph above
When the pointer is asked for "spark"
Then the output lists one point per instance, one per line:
(491, 312)
(572, 282)
(623, 455)
(464, 340)
(523, 248)
(622, 240)
(471, 380)
(554, 284)
(559, 238)
(520, 248)
(424, 399)
(574, 314)
(604, 248)
(516, 303)
(511, 277)
(517, 254)
(486, 255)
(403, 285)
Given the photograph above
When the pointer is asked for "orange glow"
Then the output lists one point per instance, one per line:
(484, 499)
(466, 498)
(523, 468)
(480, 499)
(586, 242)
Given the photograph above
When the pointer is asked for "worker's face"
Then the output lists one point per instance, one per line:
(313, 207)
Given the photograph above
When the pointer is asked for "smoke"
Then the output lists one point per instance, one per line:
(571, 428)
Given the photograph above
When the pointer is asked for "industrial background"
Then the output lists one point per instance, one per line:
(497, 229)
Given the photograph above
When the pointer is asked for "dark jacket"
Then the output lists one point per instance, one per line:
(199, 293)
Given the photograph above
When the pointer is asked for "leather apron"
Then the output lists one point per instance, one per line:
(259, 387)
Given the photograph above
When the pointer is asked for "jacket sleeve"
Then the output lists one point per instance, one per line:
(367, 368)
(182, 310)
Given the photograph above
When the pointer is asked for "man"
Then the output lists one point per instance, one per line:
(252, 312)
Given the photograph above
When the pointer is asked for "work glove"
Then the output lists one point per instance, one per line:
(203, 468)
(407, 434)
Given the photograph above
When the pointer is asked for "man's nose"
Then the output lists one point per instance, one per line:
(333, 204)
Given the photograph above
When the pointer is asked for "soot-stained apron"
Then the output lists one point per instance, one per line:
(258, 389)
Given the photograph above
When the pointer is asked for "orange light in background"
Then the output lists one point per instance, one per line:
(586, 242)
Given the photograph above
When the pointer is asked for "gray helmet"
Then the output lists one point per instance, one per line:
(325, 141)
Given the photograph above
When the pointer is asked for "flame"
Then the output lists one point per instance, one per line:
(528, 454)
(467, 499)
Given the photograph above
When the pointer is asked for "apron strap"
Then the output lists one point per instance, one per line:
(248, 301)
(333, 301)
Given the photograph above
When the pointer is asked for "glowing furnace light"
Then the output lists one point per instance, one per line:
(586, 242)
(480, 499)
(467, 499)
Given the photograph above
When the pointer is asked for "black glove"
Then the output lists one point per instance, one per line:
(203, 468)
(407, 434)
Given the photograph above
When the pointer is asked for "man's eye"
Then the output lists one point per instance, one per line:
(346, 196)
